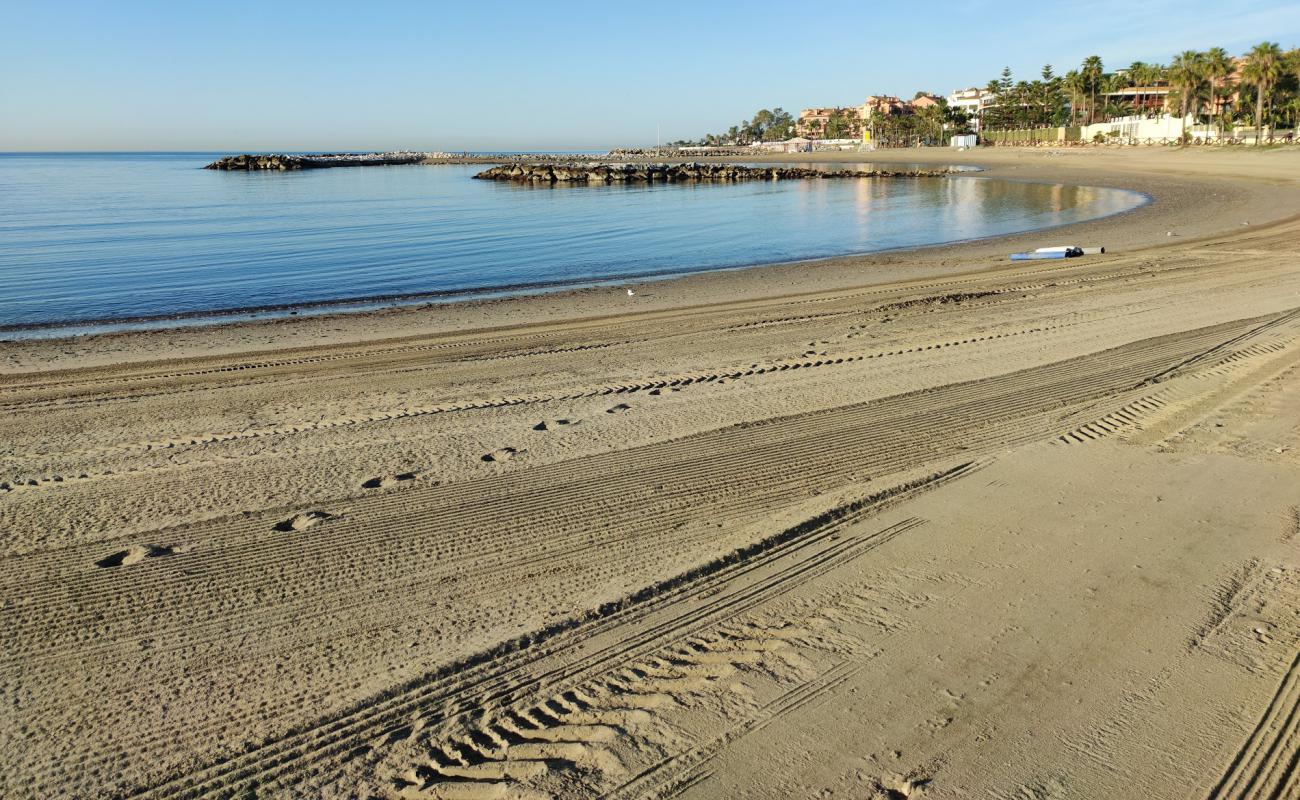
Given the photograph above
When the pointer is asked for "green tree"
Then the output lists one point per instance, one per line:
(929, 124)
(1092, 71)
(1005, 82)
(1218, 67)
(1077, 87)
(1112, 86)
(1136, 75)
(1291, 66)
(1050, 93)
(1292, 110)
(1001, 114)
(1262, 69)
(1187, 73)
(957, 120)
(839, 126)
(781, 127)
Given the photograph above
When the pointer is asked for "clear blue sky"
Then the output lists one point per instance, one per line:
(190, 74)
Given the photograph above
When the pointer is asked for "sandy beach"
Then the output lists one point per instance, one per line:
(923, 523)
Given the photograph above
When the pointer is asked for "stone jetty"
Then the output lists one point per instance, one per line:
(277, 161)
(679, 173)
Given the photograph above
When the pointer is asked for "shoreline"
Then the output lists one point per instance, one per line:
(35, 331)
(1187, 197)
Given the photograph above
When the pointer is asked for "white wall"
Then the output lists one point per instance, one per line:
(1164, 127)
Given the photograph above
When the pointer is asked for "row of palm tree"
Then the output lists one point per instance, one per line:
(1204, 85)
(929, 125)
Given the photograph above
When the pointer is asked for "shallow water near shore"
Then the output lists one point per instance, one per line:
(88, 238)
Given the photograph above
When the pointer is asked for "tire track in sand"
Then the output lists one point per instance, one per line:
(598, 644)
(1265, 767)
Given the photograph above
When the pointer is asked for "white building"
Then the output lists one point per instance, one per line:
(1140, 128)
(973, 101)
(796, 145)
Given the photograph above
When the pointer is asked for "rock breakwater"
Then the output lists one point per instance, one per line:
(678, 173)
(282, 162)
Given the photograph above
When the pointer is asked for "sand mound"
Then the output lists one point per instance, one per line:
(303, 521)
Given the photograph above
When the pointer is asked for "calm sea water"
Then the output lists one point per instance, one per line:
(90, 237)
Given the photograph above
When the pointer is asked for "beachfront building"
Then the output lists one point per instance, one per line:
(973, 101)
(1149, 100)
(824, 122)
(1158, 127)
(812, 121)
(1154, 98)
(883, 104)
(829, 123)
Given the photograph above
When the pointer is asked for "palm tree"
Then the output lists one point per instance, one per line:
(1153, 75)
(1092, 71)
(1218, 66)
(930, 121)
(1156, 73)
(1076, 87)
(1292, 59)
(1186, 75)
(1262, 70)
(1292, 109)
(1111, 86)
(1136, 73)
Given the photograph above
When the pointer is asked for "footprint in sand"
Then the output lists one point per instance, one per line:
(555, 424)
(385, 481)
(303, 521)
(618, 409)
(901, 786)
(504, 454)
(137, 553)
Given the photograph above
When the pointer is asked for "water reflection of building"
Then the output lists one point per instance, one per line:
(824, 217)
(961, 207)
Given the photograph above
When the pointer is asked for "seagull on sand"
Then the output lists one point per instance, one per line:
(630, 293)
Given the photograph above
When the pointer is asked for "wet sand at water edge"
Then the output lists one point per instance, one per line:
(912, 524)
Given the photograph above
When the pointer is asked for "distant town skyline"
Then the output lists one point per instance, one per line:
(513, 76)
